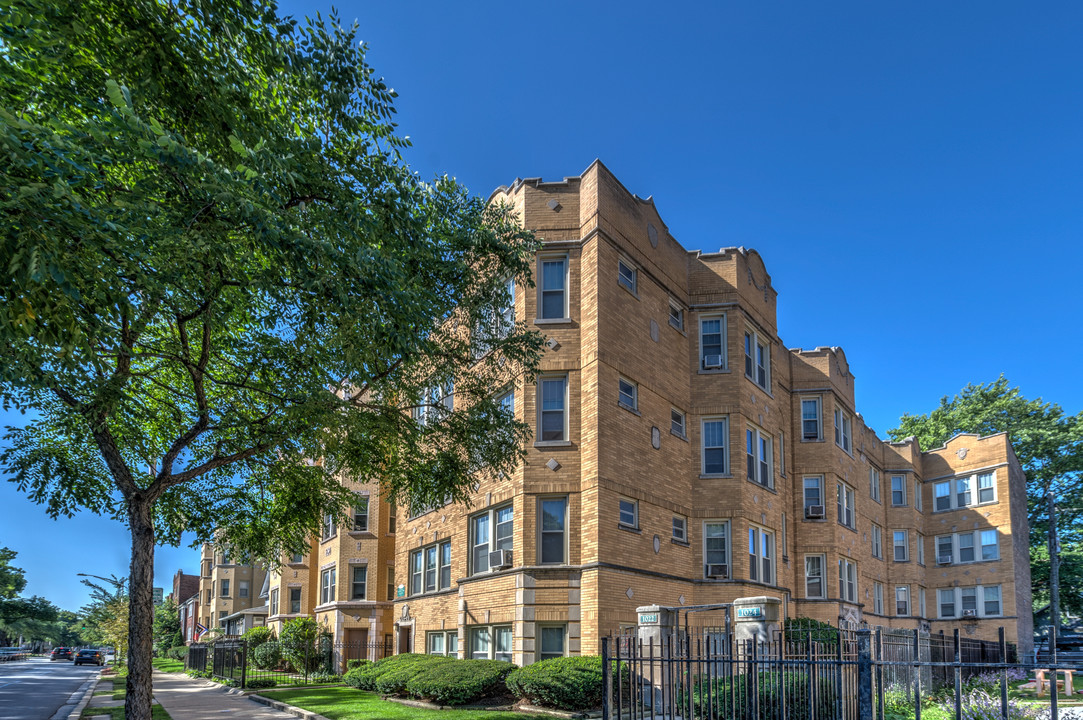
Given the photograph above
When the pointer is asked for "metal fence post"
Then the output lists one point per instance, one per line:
(244, 662)
(606, 680)
(957, 673)
(1003, 675)
(864, 674)
(917, 674)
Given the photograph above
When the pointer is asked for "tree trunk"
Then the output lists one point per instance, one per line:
(137, 705)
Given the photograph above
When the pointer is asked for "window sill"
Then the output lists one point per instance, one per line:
(714, 371)
(758, 484)
(629, 528)
(328, 539)
(682, 543)
(715, 476)
(678, 328)
(766, 391)
(553, 321)
(628, 290)
(629, 408)
(368, 534)
(679, 435)
(817, 440)
(552, 443)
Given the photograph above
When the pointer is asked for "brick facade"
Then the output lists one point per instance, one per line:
(627, 476)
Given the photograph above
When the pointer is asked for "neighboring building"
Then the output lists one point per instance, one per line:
(345, 580)
(184, 586)
(227, 586)
(683, 455)
(189, 617)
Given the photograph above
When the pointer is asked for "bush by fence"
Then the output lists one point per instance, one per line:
(567, 683)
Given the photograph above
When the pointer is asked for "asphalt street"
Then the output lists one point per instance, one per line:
(35, 689)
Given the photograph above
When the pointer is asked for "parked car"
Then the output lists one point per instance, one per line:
(94, 657)
(60, 653)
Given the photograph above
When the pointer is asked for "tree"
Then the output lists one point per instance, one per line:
(222, 289)
(1049, 445)
(167, 627)
(12, 579)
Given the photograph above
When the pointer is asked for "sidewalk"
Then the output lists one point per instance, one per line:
(186, 698)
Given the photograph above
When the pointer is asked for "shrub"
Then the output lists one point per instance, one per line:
(458, 682)
(260, 683)
(354, 664)
(300, 641)
(366, 676)
(568, 683)
(323, 677)
(179, 652)
(980, 705)
(392, 681)
(256, 636)
(717, 694)
(267, 656)
(801, 629)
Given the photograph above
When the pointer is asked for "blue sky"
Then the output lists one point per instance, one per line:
(911, 174)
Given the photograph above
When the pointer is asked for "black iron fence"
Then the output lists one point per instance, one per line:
(273, 663)
(842, 674)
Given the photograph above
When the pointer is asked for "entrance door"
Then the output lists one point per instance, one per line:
(405, 639)
(356, 645)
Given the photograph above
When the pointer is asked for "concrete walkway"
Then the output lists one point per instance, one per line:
(186, 698)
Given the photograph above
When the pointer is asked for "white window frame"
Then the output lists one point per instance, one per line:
(492, 542)
(627, 394)
(328, 585)
(448, 638)
(626, 506)
(540, 392)
(242, 588)
(902, 489)
(816, 575)
(759, 463)
(919, 540)
(942, 491)
(680, 528)
(918, 500)
(542, 499)
(902, 599)
(353, 582)
(223, 588)
(362, 502)
(329, 527)
(721, 317)
(676, 315)
(895, 545)
(542, 260)
(843, 429)
(874, 483)
(273, 603)
(878, 598)
(847, 580)
(982, 544)
(680, 430)
(420, 569)
(805, 436)
(972, 547)
(844, 503)
(761, 555)
(921, 602)
(490, 633)
(295, 603)
(992, 487)
(710, 555)
(725, 421)
(818, 482)
(956, 599)
(973, 489)
(563, 631)
(757, 351)
(877, 541)
(628, 276)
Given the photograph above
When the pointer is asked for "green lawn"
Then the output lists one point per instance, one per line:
(346, 702)
(117, 713)
(168, 665)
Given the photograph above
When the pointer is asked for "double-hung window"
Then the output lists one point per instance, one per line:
(716, 549)
(443, 642)
(491, 643)
(361, 514)
(920, 542)
(391, 583)
(902, 600)
(962, 492)
(945, 551)
(901, 541)
(761, 555)
(553, 289)
(878, 598)
(274, 602)
(627, 394)
(874, 484)
(814, 576)
(844, 497)
(986, 489)
(677, 423)
(507, 310)
(811, 429)
(877, 541)
(813, 495)
(484, 540)
(328, 527)
(966, 546)
(990, 549)
(242, 588)
(898, 490)
(676, 315)
(847, 580)
(843, 427)
(327, 586)
(507, 403)
(991, 597)
(225, 588)
(758, 448)
(552, 410)
(946, 600)
(553, 530)
(942, 496)
(430, 568)
(712, 342)
(715, 445)
(758, 359)
(680, 528)
(917, 495)
(551, 641)
(359, 575)
(628, 513)
(295, 601)
(627, 275)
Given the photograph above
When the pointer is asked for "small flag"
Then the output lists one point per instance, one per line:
(200, 629)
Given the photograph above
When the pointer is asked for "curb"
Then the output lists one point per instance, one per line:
(79, 699)
(277, 705)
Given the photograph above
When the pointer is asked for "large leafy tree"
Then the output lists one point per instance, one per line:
(222, 290)
(1049, 445)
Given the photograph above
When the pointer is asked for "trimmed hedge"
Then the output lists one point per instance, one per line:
(366, 676)
(260, 683)
(267, 656)
(568, 683)
(354, 664)
(393, 681)
(458, 682)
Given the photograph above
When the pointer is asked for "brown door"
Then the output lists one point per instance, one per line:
(356, 645)
(405, 634)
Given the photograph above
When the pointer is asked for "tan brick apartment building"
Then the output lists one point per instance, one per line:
(683, 455)
(229, 587)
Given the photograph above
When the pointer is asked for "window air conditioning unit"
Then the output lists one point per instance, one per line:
(970, 613)
(712, 361)
(720, 572)
(500, 559)
(943, 560)
(814, 512)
